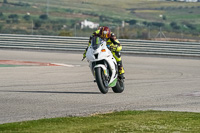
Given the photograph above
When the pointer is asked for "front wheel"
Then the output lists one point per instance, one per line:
(101, 80)
(119, 88)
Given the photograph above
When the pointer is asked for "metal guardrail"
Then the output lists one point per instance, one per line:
(80, 43)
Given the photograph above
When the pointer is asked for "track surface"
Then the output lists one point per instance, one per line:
(152, 83)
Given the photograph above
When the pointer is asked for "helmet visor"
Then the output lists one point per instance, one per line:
(105, 34)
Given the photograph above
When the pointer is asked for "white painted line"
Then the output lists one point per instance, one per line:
(66, 65)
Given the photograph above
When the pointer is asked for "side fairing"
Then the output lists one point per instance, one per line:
(89, 55)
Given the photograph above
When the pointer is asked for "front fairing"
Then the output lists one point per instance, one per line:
(97, 50)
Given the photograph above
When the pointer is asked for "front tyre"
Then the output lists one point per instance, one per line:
(119, 88)
(101, 80)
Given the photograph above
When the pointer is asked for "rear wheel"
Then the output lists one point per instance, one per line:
(119, 88)
(101, 80)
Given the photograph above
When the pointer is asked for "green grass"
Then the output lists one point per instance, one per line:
(126, 121)
(5, 65)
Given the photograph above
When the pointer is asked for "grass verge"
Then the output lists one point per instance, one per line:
(126, 121)
(4, 65)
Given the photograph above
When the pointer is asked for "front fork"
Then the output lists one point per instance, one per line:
(104, 69)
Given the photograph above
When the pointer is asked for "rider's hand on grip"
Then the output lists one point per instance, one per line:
(84, 56)
(113, 47)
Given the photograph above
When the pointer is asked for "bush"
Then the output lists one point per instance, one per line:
(174, 25)
(13, 16)
(132, 22)
(1, 27)
(22, 4)
(1, 14)
(2, 17)
(158, 24)
(8, 21)
(37, 24)
(5, 1)
(27, 17)
(65, 33)
(147, 23)
(192, 27)
(44, 16)
(164, 17)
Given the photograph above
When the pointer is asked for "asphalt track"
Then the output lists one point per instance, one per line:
(152, 83)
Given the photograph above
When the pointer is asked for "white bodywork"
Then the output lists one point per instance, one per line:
(103, 54)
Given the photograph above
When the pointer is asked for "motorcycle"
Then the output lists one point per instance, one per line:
(104, 66)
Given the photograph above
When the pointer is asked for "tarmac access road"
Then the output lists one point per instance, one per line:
(31, 92)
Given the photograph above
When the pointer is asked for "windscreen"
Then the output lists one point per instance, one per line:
(96, 42)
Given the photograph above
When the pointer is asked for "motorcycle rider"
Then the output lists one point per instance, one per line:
(105, 33)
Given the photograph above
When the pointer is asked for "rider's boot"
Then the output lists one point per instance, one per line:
(120, 70)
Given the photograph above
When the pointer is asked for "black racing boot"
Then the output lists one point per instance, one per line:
(120, 70)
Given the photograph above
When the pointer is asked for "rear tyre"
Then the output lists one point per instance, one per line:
(119, 88)
(101, 80)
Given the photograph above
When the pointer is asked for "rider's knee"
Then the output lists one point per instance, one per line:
(118, 54)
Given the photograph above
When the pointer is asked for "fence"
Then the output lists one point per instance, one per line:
(80, 43)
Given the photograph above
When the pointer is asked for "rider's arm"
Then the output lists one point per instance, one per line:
(116, 42)
(96, 33)
(89, 43)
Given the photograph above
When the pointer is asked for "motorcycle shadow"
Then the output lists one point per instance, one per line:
(50, 92)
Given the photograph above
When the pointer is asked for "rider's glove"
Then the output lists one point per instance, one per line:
(84, 55)
(113, 47)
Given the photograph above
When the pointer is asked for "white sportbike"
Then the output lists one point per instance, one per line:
(104, 66)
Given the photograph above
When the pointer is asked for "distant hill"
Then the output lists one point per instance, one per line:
(53, 17)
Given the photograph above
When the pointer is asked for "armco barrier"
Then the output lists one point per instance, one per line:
(80, 43)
